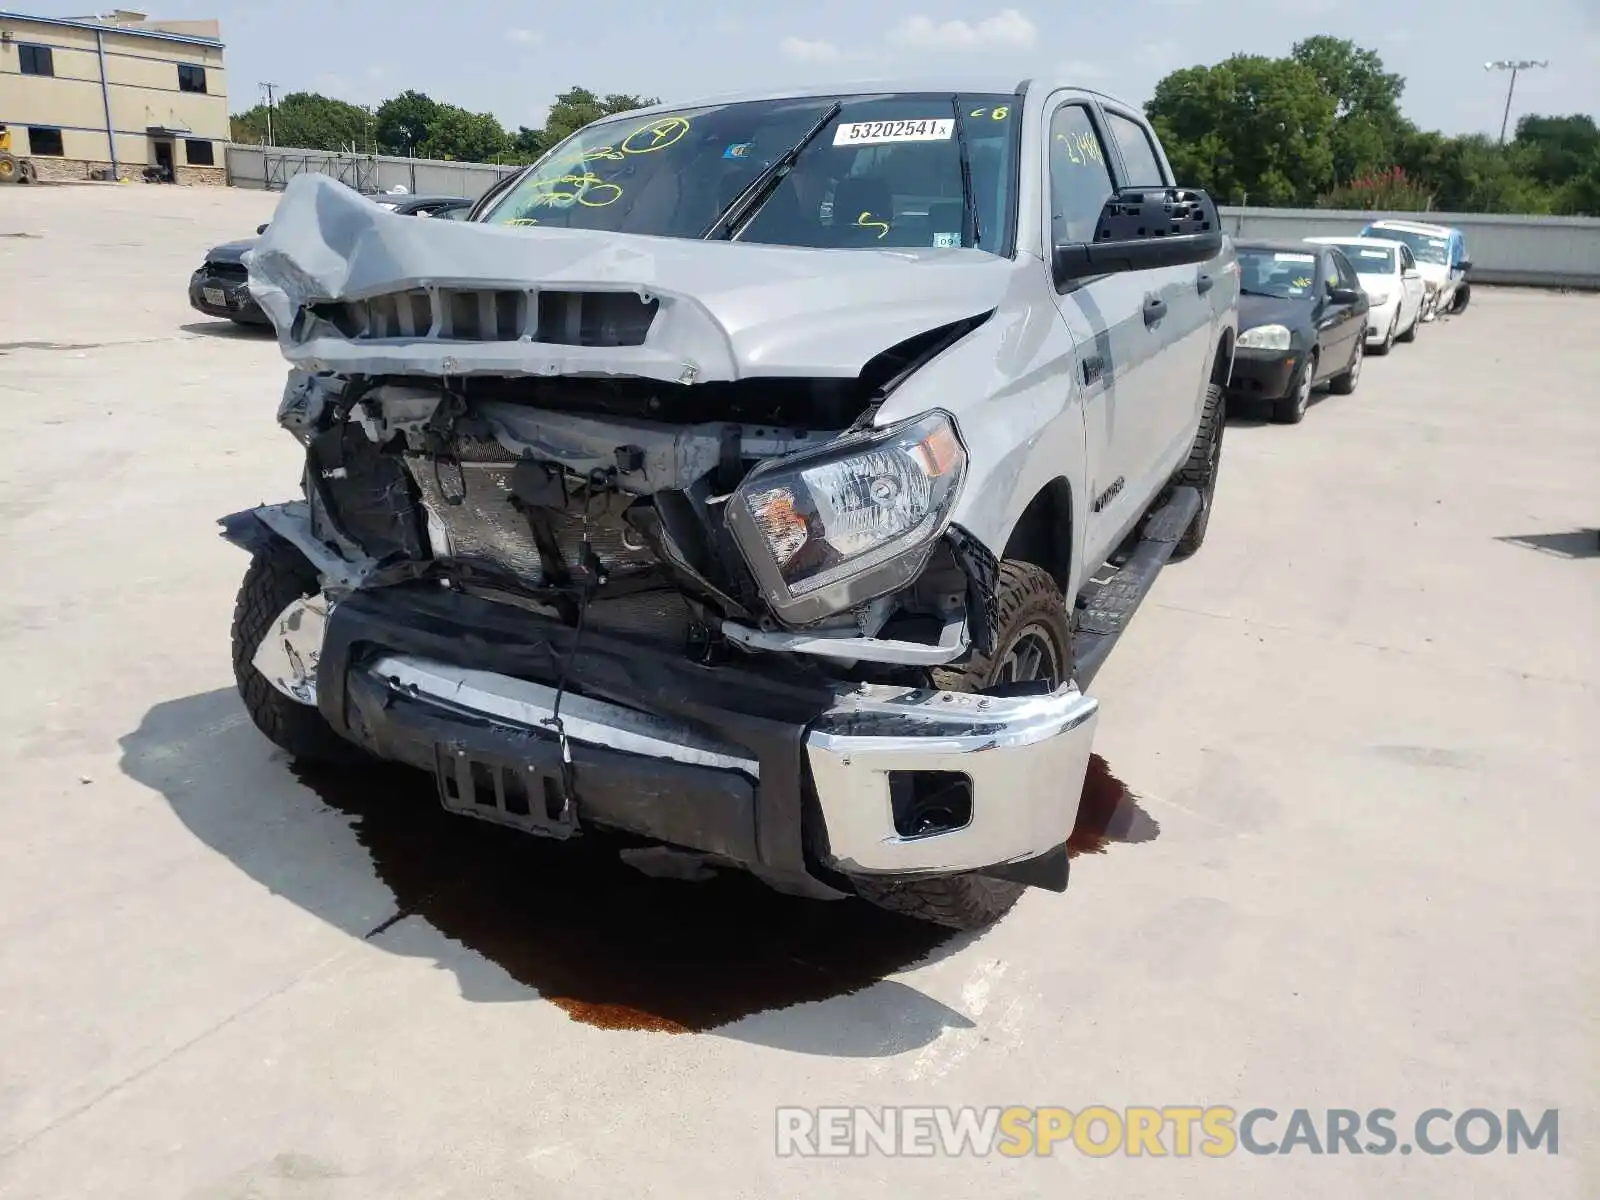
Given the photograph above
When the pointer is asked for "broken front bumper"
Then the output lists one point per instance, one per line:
(784, 771)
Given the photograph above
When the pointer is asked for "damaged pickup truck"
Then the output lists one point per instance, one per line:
(762, 480)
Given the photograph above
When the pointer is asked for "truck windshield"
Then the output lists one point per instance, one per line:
(1427, 247)
(885, 172)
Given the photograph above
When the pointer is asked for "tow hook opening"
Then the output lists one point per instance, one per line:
(928, 803)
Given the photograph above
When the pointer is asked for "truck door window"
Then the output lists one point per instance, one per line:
(1080, 181)
(1138, 156)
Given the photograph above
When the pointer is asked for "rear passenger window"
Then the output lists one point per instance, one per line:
(1138, 155)
(1080, 181)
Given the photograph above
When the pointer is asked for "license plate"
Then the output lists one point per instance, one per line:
(214, 296)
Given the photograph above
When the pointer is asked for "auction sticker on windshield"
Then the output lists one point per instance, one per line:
(874, 133)
(1284, 256)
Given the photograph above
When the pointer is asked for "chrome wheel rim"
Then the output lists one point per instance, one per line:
(1031, 656)
(1355, 367)
(1303, 397)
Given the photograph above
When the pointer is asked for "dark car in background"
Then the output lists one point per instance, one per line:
(218, 288)
(1302, 323)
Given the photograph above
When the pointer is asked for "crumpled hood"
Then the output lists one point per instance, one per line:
(728, 310)
(230, 252)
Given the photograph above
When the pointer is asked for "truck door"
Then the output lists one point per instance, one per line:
(1115, 348)
(1182, 336)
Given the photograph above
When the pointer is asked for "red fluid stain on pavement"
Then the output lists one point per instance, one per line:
(618, 949)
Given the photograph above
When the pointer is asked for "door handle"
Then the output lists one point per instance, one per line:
(1093, 366)
(1203, 284)
(1154, 309)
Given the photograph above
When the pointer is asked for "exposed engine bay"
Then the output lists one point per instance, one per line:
(746, 516)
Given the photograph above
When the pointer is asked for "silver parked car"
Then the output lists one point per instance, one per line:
(765, 477)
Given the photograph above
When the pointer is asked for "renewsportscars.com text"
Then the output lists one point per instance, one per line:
(1179, 1131)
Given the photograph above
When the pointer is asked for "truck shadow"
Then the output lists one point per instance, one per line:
(369, 851)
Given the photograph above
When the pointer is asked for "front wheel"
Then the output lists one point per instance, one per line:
(1291, 410)
(1387, 344)
(1034, 643)
(278, 576)
(1463, 297)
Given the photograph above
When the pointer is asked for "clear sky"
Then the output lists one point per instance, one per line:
(510, 59)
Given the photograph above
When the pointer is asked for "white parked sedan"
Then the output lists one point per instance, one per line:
(1392, 282)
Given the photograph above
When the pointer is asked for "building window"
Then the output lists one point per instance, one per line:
(36, 60)
(44, 142)
(198, 152)
(191, 79)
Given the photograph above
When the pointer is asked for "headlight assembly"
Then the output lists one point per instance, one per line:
(826, 531)
(1378, 299)
(1265, 337)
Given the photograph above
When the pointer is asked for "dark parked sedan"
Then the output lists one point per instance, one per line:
(219, 289)
(1302, 322)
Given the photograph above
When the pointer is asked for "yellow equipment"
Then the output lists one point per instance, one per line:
(12, 168)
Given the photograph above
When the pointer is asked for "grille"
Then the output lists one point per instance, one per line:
(448, 314)
(225, 270)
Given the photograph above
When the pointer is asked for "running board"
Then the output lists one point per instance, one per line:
(1112, 605)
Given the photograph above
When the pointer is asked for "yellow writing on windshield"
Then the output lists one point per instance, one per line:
(656, 135)
(1302, 282)
(866, 221)
(523, 221)
(587, 189)
(993, 114)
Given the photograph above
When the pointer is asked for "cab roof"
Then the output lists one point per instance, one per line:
(991, 83)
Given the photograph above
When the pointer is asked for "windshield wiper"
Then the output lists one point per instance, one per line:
(969, 203)
(747, 202)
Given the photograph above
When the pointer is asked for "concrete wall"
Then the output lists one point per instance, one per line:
(272, 168)
(141, 85)
(1537, 251)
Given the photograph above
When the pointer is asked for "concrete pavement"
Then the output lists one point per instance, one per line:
(1355, 869)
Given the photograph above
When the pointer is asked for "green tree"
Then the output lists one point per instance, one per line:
(308, 121)
(1367, 122)
(403, 122)
(1250, 126)
(1559, 150)
(577, 107)
(462, 136)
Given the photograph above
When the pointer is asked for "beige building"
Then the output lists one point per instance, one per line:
(86, 96)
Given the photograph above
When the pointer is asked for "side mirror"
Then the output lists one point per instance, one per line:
(1141, 229)
(261, 228)
(1344, 295)
(1465, 265)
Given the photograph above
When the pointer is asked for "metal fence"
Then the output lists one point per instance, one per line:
(271, 168)
(1538, 251)
(1534, 251)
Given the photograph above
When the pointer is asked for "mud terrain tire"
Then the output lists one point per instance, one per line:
(278, 575)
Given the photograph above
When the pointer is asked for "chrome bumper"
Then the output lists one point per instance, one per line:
(1024, 759)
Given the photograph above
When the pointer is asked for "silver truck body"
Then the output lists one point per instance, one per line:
(1074, 405)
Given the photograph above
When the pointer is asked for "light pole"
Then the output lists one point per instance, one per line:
(1512, 65)
(269, 88)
